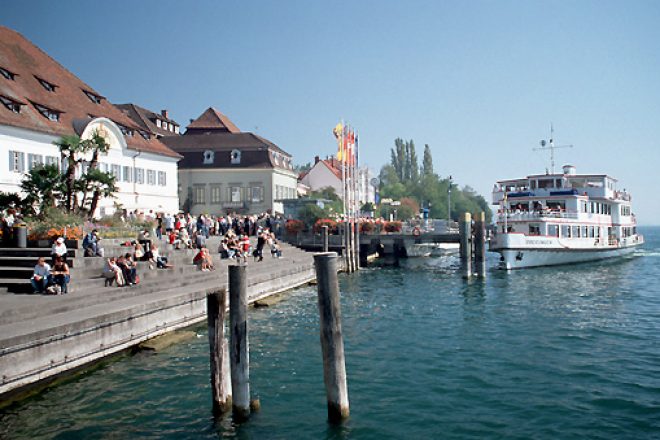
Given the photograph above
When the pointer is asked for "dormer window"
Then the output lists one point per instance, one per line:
(158, 123)
(12, 105)
(209, 155)
(96, 99)
(48, 113)
(235, 157)
(7, 74)
(46, 85)
(125, 130)
(176, 129)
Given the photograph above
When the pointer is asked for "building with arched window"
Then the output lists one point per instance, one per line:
(43, 101)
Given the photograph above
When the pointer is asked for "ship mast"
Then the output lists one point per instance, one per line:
(550, 145)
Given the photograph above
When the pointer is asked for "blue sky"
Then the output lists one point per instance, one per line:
(479, 81)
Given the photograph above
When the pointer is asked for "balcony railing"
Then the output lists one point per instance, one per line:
(536, 215)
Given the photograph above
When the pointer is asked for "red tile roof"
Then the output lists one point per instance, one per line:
(146, 119)
(29, 64)
(212, 120)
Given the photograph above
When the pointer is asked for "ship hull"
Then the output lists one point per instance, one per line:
(524, 258)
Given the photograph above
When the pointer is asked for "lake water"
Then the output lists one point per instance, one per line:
(563, 352)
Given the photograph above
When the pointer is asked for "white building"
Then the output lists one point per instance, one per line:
(42, 101)
(328, 172)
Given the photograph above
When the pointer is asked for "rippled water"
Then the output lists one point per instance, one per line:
(564, 352)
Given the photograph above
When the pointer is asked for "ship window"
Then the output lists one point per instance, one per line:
(576, 231)
(534, 230)
(558, 183)
(553, 230)
(585, 232)
(235, 157)
(545, 183)
(533, 185)
(566, 231)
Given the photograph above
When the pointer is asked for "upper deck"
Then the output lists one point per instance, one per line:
(568, 183)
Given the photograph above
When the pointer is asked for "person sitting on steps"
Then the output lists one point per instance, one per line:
(60, 274)
(112, 272)
(41, 277)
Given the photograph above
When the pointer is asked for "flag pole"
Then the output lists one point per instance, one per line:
(359, 184)
(343, 184)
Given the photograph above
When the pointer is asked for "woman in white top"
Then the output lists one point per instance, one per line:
(59, 248)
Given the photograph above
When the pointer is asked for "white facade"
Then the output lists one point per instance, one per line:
(321, 176)
(146, 181)
(220, 190)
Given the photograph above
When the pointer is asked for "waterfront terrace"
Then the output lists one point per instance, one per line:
(43, 336)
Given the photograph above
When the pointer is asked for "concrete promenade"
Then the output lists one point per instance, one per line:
(43, 336)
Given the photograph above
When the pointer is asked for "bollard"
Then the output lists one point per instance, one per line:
(324, 236)
(465, 231)
(332, 342)
(220, 385)
(239, 345)
(480, 244)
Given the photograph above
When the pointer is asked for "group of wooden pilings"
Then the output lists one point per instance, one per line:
(229, 360)
(350, 248)
(473, 244)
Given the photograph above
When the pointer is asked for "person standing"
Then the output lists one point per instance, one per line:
(41, 277)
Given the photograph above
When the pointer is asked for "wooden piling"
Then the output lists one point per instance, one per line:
(332, 342)
(480, 244)
(465, 232)
(220, 385)
(358, 250)
(239, 344)
(325, 238)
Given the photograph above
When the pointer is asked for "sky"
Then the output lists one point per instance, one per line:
(480, 82)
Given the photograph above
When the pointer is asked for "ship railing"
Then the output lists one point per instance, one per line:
(536, 215)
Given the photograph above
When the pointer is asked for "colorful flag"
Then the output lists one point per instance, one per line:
(338, 131)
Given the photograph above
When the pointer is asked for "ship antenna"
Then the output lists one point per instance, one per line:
(550, 145)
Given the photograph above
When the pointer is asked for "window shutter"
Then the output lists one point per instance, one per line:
(11, 161)
(21, 162)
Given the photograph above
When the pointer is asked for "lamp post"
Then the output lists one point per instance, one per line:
(449, 202)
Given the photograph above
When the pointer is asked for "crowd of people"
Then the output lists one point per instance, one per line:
(181, 231)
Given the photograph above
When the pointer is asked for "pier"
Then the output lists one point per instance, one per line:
(43, 336)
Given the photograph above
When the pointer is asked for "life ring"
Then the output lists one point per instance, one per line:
(416, 232)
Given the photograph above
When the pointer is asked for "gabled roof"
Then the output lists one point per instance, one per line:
(145, 118)
(256, 152)
(72, 98)
(213, 120)
(331, 164)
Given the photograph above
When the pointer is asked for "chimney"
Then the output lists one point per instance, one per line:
(316, 160)
(164, 114)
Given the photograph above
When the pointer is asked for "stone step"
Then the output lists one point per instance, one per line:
(34, 252)
(24, 310)
(99, 295)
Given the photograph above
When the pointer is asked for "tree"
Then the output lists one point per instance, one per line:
(70, 147)
(411, 162)
(97, 145)
(427, 164)
(43, 186)
(101, 185)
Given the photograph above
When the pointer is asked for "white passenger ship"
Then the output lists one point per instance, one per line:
(562, 218)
